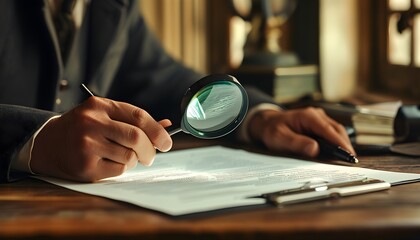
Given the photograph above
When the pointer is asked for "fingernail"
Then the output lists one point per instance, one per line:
(132, 165)
(166, 146)
(149, 163)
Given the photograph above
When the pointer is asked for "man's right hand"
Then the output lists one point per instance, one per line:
(98, 139)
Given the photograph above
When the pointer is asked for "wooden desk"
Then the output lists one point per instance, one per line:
(35, 209)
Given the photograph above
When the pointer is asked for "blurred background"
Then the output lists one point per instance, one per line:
(293, 49)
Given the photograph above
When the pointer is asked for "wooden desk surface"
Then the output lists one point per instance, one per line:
(35, 209)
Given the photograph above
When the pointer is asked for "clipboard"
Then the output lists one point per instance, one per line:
(316, 191)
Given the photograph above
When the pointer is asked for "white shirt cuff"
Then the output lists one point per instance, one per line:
(22, 162)
(243, 129)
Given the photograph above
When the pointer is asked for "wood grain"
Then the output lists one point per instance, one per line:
(38, 210)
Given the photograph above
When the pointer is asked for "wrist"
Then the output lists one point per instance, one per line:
(40, 148)
(259, 122)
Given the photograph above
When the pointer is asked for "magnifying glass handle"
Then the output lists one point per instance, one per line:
(173, 130)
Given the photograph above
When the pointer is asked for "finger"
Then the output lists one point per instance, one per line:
(107, 168)
(118, 153)
(131, 138)
(284, 139)
(138, 117)
(337, 126)
(132, 165)
(165, 123)
(325, 127)
(145, 150)
(122, 133)
(342, 139)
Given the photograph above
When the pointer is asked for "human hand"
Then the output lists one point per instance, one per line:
(100, 138)
(289, 131)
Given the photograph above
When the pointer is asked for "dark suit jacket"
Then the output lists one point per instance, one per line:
(124, 62)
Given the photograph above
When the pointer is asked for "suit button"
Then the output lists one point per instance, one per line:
(57, 101)
(64, 84)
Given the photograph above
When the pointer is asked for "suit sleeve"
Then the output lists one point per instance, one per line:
(17, 125)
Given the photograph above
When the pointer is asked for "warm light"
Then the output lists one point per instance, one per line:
(417, 39)
(399, 44)
(399, 5)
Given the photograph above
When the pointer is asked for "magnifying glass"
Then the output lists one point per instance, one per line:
(212, 107)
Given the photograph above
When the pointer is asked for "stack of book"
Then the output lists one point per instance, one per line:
(374, 123)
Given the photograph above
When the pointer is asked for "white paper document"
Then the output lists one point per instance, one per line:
(211, 178)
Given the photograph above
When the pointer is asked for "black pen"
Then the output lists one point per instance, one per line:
(329, 149)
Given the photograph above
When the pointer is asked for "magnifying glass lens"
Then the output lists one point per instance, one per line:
(214, 107)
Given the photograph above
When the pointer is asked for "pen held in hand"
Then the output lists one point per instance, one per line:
(86, 89)
(331, 150)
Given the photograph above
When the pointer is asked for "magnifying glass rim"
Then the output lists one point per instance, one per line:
(208, 80)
